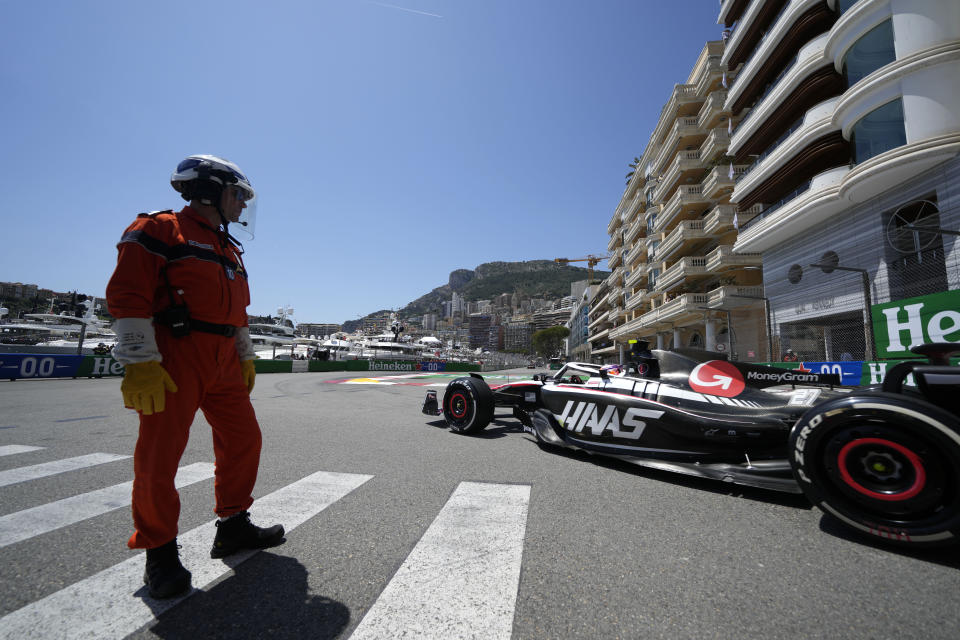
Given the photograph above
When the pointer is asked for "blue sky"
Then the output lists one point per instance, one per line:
(389, 142)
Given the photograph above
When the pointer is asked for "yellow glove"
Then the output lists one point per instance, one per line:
(249, 374)
(144, 386)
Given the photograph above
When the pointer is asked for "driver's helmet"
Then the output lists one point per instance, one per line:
(203, 178)
(613, 369)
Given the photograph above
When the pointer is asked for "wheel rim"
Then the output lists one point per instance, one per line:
(895, 476)
(458, 406)
(881, 469)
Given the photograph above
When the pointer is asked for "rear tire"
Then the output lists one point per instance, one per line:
(885, 465)
(468, 405)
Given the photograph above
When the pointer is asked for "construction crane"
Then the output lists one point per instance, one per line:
(591, 261)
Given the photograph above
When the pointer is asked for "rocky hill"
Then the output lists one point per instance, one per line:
(531, 279)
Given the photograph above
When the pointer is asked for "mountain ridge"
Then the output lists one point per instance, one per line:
(531, 278)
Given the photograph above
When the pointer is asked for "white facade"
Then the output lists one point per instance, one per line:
(894, 138)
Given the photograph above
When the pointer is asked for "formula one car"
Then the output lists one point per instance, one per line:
(884, 460)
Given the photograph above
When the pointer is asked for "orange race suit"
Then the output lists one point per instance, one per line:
(167, 259)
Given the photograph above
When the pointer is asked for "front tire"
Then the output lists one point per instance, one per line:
(468, 405)
(885, 465)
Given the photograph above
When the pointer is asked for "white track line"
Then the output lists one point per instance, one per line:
(12, 449)
(461, 579)
(114, 603)
(22, 474)
(48, 517)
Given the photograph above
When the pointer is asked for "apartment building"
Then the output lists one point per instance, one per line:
(317, 329)
(676, 281)
(848, 124)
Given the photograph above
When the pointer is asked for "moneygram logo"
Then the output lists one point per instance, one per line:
(717, 378)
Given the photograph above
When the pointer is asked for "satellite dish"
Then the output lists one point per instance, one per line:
(913, 227)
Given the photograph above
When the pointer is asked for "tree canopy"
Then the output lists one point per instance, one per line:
(548, 342)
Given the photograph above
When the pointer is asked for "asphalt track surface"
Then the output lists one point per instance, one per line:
(403, 529)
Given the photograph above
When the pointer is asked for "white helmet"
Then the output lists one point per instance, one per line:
(203, 177)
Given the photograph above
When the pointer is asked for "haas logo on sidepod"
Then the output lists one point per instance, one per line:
(717, 378)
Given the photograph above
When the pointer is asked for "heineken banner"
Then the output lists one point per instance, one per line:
(28, 365)
(902, 324)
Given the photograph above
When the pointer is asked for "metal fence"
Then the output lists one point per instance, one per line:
(821, 307)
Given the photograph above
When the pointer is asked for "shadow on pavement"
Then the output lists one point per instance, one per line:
(267, 597)
(943, 556)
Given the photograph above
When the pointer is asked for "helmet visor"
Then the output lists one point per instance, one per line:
(248, 219)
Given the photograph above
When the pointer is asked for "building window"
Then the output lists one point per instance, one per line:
(653, 275)
(915, 253)
(869, 53)
(879, 131)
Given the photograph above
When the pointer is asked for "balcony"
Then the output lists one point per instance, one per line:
(721, 218)
(682, 94)
(682, 305)
(683, 163)
(744, 22)
(682, 129)
(636, 276)
(682, 235)
(709, 76)
(600, 320)
(682, 270)
(719, 181)
(599, 335)
(635, 301)
(732, 296)
(630, 210)
(712, 110)
(723, 258)
(614, 222)
(815, 131)
(715, 145)
(637, 230)
(804, 209)
(616, 258)
(684, 196)
(810, 58)
(612, 297)
(634, 254)
(605, 351)
(796, 23)
(616, 240)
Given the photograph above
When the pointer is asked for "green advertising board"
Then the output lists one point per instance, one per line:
(901, 324)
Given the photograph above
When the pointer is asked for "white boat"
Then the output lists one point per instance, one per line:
(271, 341)
(339, 349)
(59, 332)
(385, 346)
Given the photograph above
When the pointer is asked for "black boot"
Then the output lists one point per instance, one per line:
(237, 533)
(165, 576)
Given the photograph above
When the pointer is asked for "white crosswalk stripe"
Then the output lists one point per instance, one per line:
(22, 474)
(48, 517)
(102, 606)
(461, 579)
(12, 449)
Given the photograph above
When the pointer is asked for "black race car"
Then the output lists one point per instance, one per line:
(884, 459)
